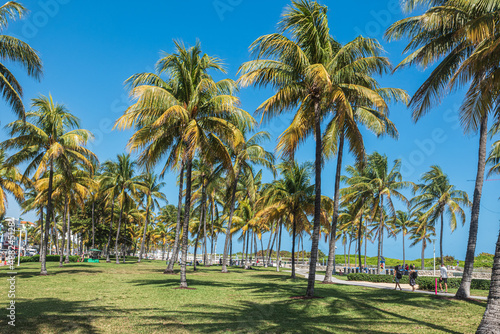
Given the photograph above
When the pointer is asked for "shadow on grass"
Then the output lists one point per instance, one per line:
(57, 316)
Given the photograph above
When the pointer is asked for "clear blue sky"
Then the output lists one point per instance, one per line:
(90, 47)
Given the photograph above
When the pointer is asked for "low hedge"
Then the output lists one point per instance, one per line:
(49, 258)
(424, 282)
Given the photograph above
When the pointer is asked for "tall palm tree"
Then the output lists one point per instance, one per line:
(453, 34)
(246, 153)
(308, 78)
(185, 115)
(11, 181)
(49, 138)
(150, 187)
(439, 196)
(17, 51)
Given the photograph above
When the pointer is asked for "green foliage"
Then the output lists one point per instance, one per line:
(424, 283)
(50, 258)
(376, 278)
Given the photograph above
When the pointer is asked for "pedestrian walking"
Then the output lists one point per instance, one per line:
(412, 276)
(443, 278)
(397, 277)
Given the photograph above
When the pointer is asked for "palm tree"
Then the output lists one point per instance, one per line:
(383, 184)
(402, 222)
(186, 115)
(17, 51)
(439, 196)
(11, 181)
(453, 34)
(151, 190)
(246, 153)
(291, 197)
(490, 321)
(422, 232)
(49, 138)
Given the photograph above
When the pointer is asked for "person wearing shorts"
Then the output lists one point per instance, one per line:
(397, 276)
(443, 278)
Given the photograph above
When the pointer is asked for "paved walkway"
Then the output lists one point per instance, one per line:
(387, 286)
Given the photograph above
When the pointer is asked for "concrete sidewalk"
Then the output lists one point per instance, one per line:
(386, 286)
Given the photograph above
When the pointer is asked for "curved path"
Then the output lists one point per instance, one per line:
(387, 286)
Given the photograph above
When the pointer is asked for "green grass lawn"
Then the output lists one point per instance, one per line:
(138, 298)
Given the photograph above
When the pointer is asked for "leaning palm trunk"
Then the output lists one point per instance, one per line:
(491, 320)
(464, 289)
(185, 228)
(359, 240)
(317, 203)
(43, 270)
(246, 250)
(423, 255)
(380, 234)
(145, 230)
(228, 229)
(117, 257)
(175, 249)
(270, 250)
(110, 231)
(41, 234)
(333, 228)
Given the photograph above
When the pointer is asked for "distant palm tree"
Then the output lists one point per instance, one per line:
(49, 138)
(291, 197)
(17, 51)
(246, 153)
(402, 222)
(423, 232)
(11, 181)
(439, 196)
(150, 188)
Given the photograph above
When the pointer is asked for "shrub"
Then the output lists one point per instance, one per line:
(49, 258)
(424, 282)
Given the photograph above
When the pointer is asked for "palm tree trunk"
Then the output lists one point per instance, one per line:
(93, 226)
(404, 246)
(272, 244)
(204, 219)
(246, 251)
(349, 254)
(262, 248)
(41, 234)
(293, 246)
(359, 239)
(196, 246)
(212, 234)
(279, 249)
(464, 289)
(243, 261)
(43, 270)
(266, 260)
(441, 239)
(380, 233)
(333, 228)
(185, 228)
(63, 231)
(175, 250)
(366, 240)
(144, 231)
(228, 229)
(68, 230)
(491, 320)
(317, 203)
(110, 230)
(423, 255)
(117, 258)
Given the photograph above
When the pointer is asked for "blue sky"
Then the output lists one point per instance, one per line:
(90, 47)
